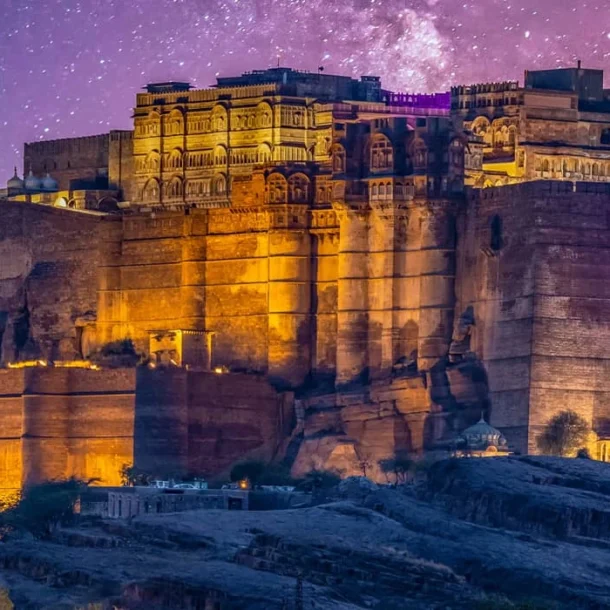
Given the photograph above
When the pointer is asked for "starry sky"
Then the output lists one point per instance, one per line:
(73, 67)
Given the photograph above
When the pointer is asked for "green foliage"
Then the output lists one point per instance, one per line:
(251, 470)
(45, 506)
(316, 480)
(276, 474)
(399, 466)
(131, 476)
(564, 434)
(119, 348)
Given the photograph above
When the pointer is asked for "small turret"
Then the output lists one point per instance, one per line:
(49, 184)
(32, 183)
(15, 184)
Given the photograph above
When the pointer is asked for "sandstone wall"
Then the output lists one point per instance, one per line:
(539, 299)
(61, 422)
(48, 278)
(201, 423)
(68, 159)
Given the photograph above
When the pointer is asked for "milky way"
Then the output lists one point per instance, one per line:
(71, 67)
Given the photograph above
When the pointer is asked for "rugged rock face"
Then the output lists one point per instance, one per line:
(478, 532)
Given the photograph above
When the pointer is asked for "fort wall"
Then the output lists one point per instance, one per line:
(82, 159)
(540, 303)
(65, 422)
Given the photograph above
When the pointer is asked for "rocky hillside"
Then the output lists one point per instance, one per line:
(479, 534)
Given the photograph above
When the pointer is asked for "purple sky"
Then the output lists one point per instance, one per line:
(70, 67)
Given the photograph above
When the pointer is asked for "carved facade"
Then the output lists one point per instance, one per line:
(316, 230)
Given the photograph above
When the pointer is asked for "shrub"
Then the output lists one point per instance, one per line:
(316, 480)
(131, 476)
(45, 506)
(252, 470)
(400, 465)
(564, 434)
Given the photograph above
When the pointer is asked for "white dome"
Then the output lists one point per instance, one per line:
(15, 183)
(482, 435)
(32, 183)
(49, 184)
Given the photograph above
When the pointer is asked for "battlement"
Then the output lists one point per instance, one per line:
(61, 145)
(474, 89)
(124, 135)
(540, 188)
(418, 100)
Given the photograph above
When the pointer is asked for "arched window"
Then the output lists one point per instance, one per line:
(219, 118)
(456, 154)
(220, 155)
(420, 154)
(263, 153)
(174, 160)
(174, 123)
(150, 193)
(338, 158)
(298, 189)
(382, 155)
(173, 188)
(219, 185)
(277, 189)
(263, 115)
(512, 136)
(481, 127)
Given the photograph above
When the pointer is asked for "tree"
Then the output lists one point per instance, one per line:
(43, 507)
(564, 434)
(316, 480)
(400, 465)
(364, 462)
(131, 476)
(252, 470)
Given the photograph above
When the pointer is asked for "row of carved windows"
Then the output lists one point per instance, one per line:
(573, 166)
(176, 188)
(177, 160)
(381, 190)
(217, 120)
(382, 155)
(493, 134)
(294, 190)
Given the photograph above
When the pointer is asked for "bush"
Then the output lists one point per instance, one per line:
(131, 476)
(119, 348)
(42, 508)
(401, 465)
(316, 480)
(252, 470)
(564, 434)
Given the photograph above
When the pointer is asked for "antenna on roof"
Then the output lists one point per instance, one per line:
(578, 64)
(278, 61)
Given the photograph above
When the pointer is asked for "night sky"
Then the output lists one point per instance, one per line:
(71, 67)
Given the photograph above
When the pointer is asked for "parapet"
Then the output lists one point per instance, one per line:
(485, 88)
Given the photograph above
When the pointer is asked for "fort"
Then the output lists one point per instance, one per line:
(306, 267)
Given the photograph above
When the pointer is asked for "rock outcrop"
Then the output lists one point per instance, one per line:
(477, 534)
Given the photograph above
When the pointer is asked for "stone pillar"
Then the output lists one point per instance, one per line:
(193, 271)
(385, 221)
(437, 283)
(289, 305)
(407, 271)
(352, 297)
